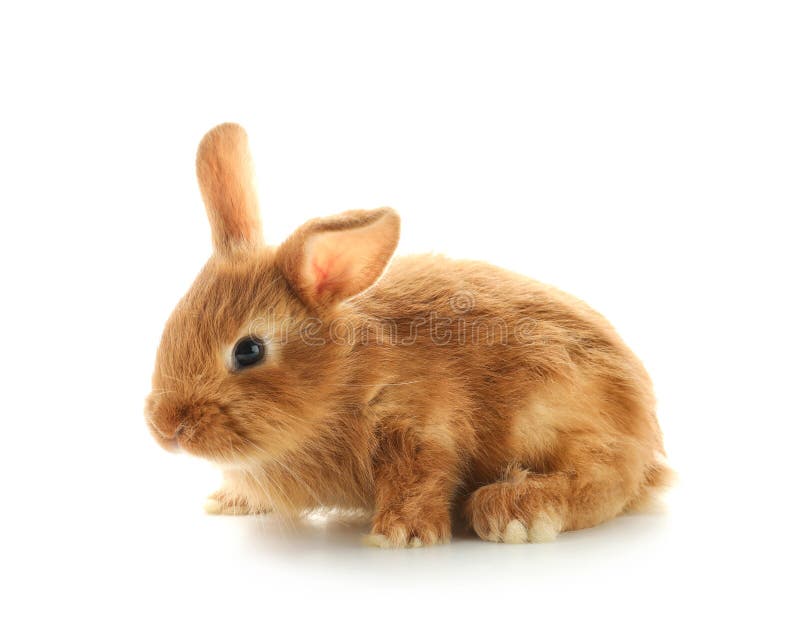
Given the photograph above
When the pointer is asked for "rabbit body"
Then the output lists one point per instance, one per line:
(434, 390)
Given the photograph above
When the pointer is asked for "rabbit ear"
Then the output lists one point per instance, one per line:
(331, 259)
(225, 175)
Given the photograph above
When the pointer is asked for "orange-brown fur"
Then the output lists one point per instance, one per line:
(533, 418)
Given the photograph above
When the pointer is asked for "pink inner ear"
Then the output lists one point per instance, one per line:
(338, 264)
(320, 274)
(324, 272)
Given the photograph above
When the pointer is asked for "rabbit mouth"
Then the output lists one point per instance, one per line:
(207, 431)
(170, 444)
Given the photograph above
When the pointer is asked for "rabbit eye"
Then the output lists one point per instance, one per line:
(248, 351)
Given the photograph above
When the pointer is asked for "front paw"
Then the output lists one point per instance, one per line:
(395, 532)
(222, 503)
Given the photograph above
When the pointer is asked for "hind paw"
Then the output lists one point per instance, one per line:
(516, 510)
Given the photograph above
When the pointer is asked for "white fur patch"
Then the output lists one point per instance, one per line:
(544, 528)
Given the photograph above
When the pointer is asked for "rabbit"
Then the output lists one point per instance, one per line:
(426, 393)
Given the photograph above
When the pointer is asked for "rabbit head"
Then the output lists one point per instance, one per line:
(244, 370)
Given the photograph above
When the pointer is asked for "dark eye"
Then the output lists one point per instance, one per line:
(248, 351)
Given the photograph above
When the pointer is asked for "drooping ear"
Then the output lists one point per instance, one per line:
(225, 175)
(331, 259)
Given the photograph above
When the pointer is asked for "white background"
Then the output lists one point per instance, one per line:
(644, 156)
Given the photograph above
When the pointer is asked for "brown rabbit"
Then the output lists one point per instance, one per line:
(440, 386)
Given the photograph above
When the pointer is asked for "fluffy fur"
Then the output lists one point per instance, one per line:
(440, 389)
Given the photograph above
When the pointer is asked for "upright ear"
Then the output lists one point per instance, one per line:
(225, 175)
(331, 259)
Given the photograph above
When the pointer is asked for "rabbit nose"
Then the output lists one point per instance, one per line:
(167, 423)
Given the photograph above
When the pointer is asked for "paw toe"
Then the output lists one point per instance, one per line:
(515, 532)
(377, 540)
(544, 528)
(212, 506)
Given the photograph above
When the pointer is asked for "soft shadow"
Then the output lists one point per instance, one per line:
(333, 543)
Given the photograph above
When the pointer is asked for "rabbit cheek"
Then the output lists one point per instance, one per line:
(206, 431)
